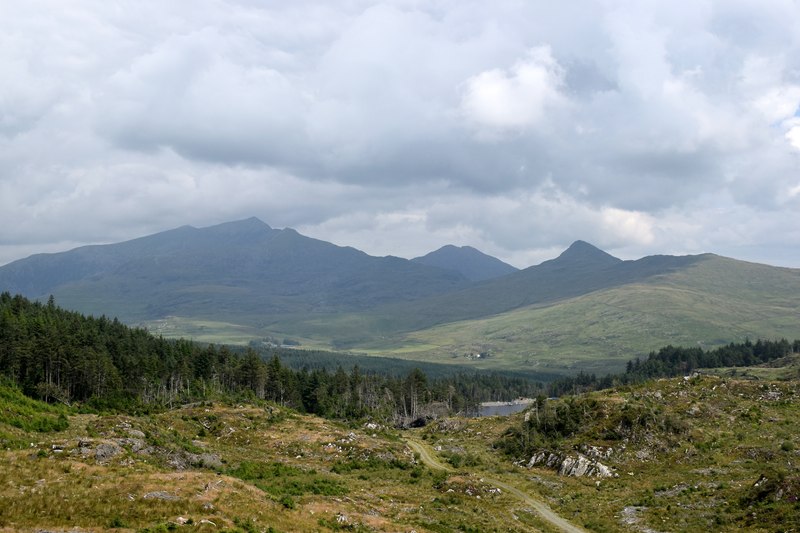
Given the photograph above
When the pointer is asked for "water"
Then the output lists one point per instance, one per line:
(503, 409)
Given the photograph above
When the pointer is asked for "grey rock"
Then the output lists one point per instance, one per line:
(106, 450)
(135, 445)
(205, 460)
(160, 495)
(575, 466)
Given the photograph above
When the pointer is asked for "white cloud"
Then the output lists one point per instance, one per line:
(517, 98)
(637, 127)
(793, 132)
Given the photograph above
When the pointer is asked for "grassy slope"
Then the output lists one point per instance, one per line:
(732, 464)
(246, 468)
(276, 468)
(714, 301)
(784, 369)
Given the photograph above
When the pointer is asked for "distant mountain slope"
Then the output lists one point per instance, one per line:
(580, 269)
(473, 264)
(584, 309)
(600, 331)
(237, 269)
(700, 301)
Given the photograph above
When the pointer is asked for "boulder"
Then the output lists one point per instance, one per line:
(106, 450)
(571, 465)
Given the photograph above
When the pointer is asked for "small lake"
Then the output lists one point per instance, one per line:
(503, 408)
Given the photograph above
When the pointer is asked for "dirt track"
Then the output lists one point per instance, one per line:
(544, 511)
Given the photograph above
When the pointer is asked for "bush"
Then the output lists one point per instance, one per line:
(287, 502)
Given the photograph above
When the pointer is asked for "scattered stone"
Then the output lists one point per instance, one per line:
(771, 396)
(160, 495)
(205, 460)
(84, 447)
(450, 424)
(597, 452)
(674, 491)
(181, 520)
(106, 451)
(643, 455)
(134, 444)
(631, 516)
(136, 434)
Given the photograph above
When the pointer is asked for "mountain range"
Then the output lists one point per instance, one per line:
(244, 280)
(236, 268)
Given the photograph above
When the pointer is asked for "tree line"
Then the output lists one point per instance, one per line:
(672, 361)
(59, 355)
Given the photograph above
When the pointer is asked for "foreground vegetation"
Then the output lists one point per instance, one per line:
(704, 453)
(213, 467)
(690, 454)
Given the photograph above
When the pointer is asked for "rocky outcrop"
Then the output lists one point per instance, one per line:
(577, 465)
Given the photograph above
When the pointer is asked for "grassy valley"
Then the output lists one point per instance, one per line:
(108, 427)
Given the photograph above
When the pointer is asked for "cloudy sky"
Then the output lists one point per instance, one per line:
(397, 127)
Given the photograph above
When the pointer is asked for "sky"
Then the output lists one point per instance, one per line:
(397, 127)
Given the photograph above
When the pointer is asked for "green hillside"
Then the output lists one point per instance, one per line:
(715, 301)
(580, 270)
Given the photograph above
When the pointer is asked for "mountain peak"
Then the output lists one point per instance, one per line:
(245, 227)
(246, 223)
(583, 252)
(470, 262)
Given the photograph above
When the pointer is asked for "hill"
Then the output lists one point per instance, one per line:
(242, 271)
(471, 263)
(691, 301)
(579, 270)
(251, 466)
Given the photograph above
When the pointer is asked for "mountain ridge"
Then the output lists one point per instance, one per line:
(284, 270)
